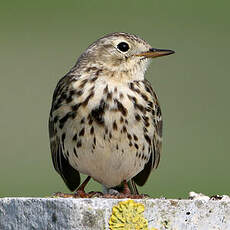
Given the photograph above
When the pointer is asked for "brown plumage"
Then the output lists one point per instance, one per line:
(105, 119)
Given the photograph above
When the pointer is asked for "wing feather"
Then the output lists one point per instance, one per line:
(156, 139)
(70, 176)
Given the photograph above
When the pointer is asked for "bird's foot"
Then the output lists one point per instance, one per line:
(124, 193)
(92, 194)
(110, 193)
(83, 194)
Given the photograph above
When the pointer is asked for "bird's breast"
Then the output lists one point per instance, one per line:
(106, 136)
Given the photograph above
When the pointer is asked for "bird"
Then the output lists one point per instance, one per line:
(105, 119)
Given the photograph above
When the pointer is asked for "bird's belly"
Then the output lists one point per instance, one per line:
(107, 138)
(107, 166)
(107, 154)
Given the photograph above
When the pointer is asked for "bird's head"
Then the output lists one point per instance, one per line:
(121, 53)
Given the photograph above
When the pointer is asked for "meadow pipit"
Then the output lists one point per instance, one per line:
(105, 119)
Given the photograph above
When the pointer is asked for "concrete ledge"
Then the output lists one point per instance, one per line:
(95, 213)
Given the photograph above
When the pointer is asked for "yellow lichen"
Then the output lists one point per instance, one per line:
(128, 215)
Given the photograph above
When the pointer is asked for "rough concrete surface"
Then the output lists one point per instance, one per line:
(94, 213)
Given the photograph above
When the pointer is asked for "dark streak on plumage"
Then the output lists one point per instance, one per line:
(93, 79)
(132, 99)
(90, 120)
(98, 72)
(82, 132)
(92, 88)
(79, 93)
(144, 96)
(75, 152)
(63, 137)
(158, 110)
(92, 130)
(75, 107)
(56, 106)
(98, 113)
(137, 117)
(110, 135)
(74, 137)
(140, 107)
(135, 137)
(150, 104)
(136, 146)
(159, 125)
(79, 144)
(114, 125)
(85, 103)
(106, 90)
(147, 138)
(148, 89)
(106, 130)
(83, 83)
(124, 129)
(91, 69)
(146, 121)
(129, 136)
(63, 120)
(131, 86)
(145, 130)
(109, 96)
(55, 119)
(121, 108)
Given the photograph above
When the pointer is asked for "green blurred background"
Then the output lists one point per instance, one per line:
(41, 40)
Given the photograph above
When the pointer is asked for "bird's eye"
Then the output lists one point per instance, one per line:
(123, 46)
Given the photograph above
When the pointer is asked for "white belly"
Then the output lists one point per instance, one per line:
(108, 157)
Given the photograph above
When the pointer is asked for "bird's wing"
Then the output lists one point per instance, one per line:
(70, 176)
(156, 139)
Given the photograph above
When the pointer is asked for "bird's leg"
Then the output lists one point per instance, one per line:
(122, 191)
(127, 193)
(133, 187)
(81, 189)
(80, 192)
(126, 189)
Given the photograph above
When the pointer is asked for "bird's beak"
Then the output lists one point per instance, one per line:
(153, 53)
